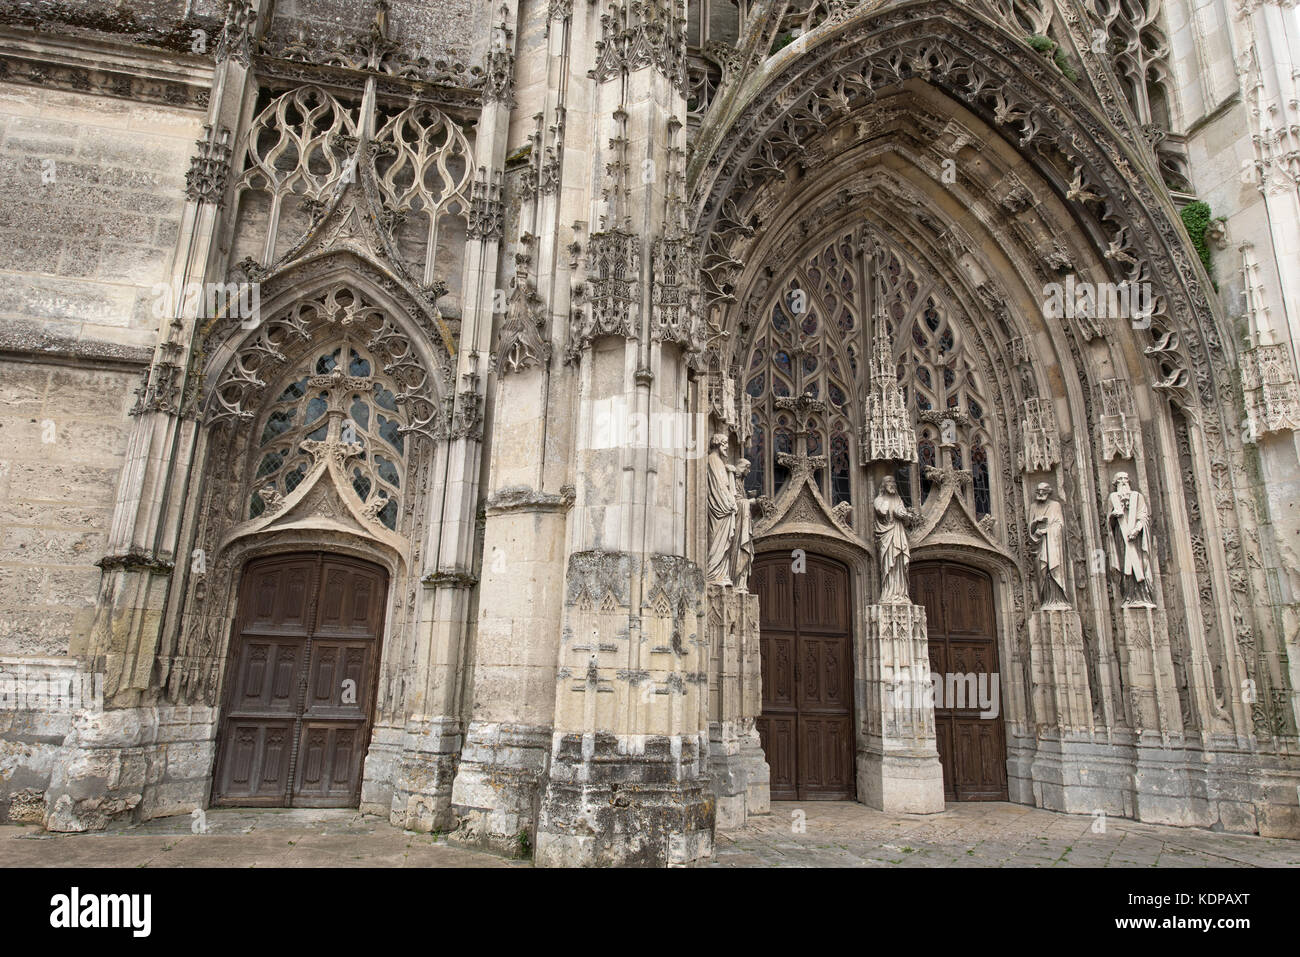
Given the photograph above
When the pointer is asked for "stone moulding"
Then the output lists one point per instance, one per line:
(452, 579)
(521, 498)
(24, 340)
(136, 561)
(123, 73)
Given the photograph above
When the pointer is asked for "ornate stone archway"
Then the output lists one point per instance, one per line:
(948, 135)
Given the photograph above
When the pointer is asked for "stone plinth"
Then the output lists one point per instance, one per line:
(1059, 670)
(420, 798)
(898, 759)
(626, 801)
(495, 791)
(1152, 687)
(737, 765)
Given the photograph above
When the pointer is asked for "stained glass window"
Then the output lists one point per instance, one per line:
(369, 416)
(813, 339)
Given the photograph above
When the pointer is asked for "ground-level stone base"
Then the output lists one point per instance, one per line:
(497, 787)
(133, 763)
(1223, 786)
(739, 772)
(409, 773)
(900, 783)
(622, 801)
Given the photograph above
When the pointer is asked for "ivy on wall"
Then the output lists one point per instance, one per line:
(1196, 220)
(1049, 47)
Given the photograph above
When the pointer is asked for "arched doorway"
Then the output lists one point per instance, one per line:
(301, 682)
(806, 646)
(963, 645)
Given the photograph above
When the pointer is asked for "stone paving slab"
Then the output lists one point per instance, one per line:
(986, 834)
(242, 838)
(835, 834)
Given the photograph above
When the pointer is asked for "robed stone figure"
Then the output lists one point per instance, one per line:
(1130, 543)
(892, 517)
(744, 528)
(1047, 531)
(722, 512)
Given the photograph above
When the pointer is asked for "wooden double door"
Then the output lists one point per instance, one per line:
(958, 604)
(806, 643)
(300, 684)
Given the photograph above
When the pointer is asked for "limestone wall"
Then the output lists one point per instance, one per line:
(91, 198)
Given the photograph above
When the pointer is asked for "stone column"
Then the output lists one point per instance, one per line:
(628, 779)
(898, 756)
(512, 670)
(737, 764)
(431, 739)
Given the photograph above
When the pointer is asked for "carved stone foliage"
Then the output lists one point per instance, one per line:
(375, 52)
(239, 390)
(236, 40)
(610, 296)
(206, 180)
(674, 296)
(1269, 384)
(1002, 80)
(499, 71)
(640, 34)
(1042, 443)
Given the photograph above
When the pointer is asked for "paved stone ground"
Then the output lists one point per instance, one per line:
(843, 834)
(838, 834)
(242, 838)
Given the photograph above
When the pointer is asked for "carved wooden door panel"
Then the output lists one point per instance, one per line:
(963, 645)
(301, 686)
(806, 643)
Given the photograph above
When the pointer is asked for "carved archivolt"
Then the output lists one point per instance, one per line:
(747, 146)
(239, 389)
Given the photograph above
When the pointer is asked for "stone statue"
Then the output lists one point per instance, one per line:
(722, 512)
(892, 518)
(744, 528)
(1130, 543)
(1047, 531)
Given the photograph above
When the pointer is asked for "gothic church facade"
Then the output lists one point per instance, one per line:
(574, 425)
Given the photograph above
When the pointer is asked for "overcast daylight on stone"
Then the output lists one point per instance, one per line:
(713, 433)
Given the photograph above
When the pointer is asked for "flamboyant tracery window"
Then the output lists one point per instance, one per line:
(343, 377)
(814, 340)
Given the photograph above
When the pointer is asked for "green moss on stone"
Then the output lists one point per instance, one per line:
(1196, 220)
